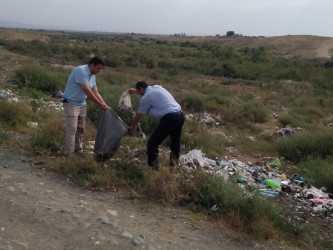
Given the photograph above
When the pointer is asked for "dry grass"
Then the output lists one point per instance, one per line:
(303, 46)
(25, 35)
(161, 186)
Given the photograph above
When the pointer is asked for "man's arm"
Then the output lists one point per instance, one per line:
(93, 96)
(99, 97)
(136, 120)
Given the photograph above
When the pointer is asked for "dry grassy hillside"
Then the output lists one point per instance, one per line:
(26, 35)
(303, 46)
(307, 47)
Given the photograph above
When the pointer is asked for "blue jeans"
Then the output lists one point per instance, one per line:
(170, 124)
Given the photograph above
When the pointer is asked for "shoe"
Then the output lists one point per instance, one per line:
(79, 152)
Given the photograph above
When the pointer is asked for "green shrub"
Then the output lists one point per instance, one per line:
(3, 137)
(207, 190)
(293, 119)
(192, 102)
(107, 77)
(318, 172)
(165, 64)
(312, 113)
(308, 144)
(128, 171)
(14, 115)
(49, 137)
(41, 78)
(196, 136)
(83, 170)
(215, 103)
(31, 92)
(254, 112)
(35, 104)
(161, 186)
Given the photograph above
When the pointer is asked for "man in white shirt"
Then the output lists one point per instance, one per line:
(157, 101)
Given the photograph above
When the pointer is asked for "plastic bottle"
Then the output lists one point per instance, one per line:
(268, 193)
(271, 183)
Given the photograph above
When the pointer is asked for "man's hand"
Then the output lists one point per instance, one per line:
(104, 106)
(132, 130)
(132, 91)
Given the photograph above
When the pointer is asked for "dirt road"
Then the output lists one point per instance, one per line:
(40, 210)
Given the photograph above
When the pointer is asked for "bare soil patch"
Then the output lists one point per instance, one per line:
(40, 210)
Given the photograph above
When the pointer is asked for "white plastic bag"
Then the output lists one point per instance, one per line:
(125, 101)
(193, 158)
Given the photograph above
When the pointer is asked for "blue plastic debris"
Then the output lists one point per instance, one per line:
(268, 193)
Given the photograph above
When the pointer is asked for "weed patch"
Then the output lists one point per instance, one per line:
(40, 78)
(316, 144)
(15, 115)
(318, 172)
(3, 137)
(49, 138)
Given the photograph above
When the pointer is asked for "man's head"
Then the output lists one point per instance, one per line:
(95, 65)
(141, 87)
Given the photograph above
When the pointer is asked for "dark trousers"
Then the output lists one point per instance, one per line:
(170, 124)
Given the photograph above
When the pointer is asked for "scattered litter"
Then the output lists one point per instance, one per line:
(32, 124)
(320, 201)
(266, 178)
(214, 208)
(288, 130)
(275, 164)
(231, 149)
(268, 193)
(271, 183)
(207, 118)
(57, 94)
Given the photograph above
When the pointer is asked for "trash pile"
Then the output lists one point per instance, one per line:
(207, 118)
(267, 180)
(14, 97)
(9, 95)
(288, 130)
(54, 105)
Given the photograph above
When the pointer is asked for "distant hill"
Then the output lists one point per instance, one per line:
(18, 25)
(26, 35)
(299, 46)
(6, 24)
(302, 46)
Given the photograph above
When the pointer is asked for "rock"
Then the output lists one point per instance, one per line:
(138, 240)
(127, 235)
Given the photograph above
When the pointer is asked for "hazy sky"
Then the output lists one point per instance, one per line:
(192, 17)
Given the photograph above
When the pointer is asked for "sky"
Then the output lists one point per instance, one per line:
(166, 17)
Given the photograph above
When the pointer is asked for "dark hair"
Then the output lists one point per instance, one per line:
(141, 84)
(96, 60)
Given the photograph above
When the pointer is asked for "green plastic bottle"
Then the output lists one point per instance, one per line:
(271, 183)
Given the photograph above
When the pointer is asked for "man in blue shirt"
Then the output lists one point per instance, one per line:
(80, 84)
(157, 101)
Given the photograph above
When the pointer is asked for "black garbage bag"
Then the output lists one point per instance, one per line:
(110, 131)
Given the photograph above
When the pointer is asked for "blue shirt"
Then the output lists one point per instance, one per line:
(158, 102)
(73, 92)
